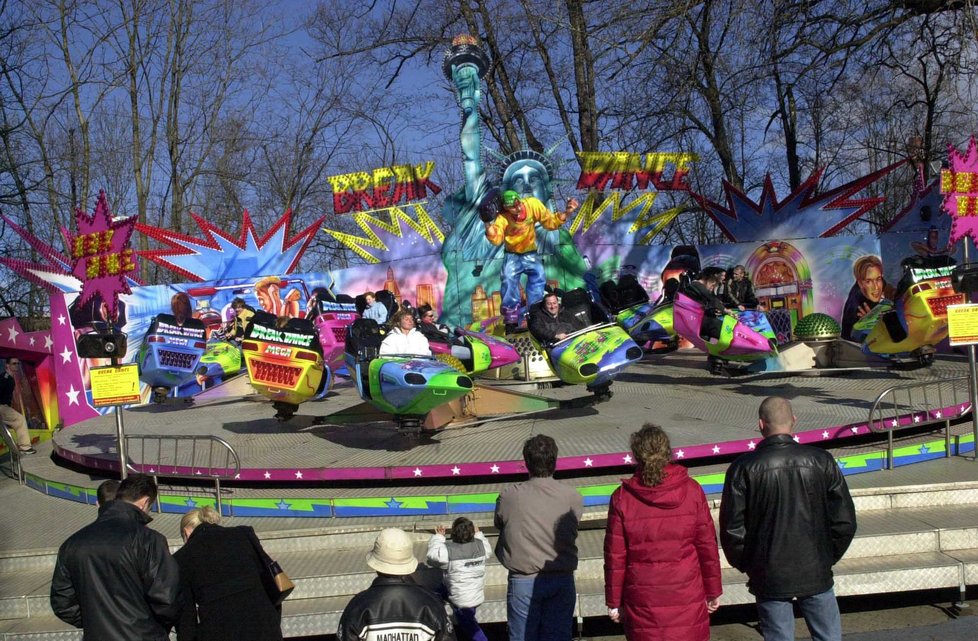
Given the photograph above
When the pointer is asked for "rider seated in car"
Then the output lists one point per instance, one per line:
(549, 323)
(235, 328)
(405, 337)
(701, 290)
(429, 325)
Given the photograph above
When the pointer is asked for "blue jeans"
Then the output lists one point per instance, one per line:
(541, 607)
(821, 612)
(514, 266)
(467, 627)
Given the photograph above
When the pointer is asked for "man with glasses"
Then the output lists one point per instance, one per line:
(429, 325)
(14, 419)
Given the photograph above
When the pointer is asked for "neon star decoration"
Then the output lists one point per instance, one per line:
(101, 256)
(53, 275)
(802, 214)
(217, 255)
(959, 184)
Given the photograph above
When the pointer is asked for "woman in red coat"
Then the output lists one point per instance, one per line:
(661, 562)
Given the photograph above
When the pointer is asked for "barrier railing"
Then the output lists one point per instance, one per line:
(917, 405)
(183, 456)
(13, 452)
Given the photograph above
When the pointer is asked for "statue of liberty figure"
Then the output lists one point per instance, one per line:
(506, 231)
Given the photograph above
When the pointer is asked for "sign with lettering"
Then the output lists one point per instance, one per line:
(115, 385)
(962, 324)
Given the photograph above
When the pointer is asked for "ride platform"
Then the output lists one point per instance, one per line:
(336, 459)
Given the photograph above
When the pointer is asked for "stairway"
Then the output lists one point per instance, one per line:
(911, 537)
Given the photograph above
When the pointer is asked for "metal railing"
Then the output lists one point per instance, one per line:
(13, 451)
(183, 456)
(919, 404)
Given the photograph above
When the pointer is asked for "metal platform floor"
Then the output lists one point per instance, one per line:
(705, 416)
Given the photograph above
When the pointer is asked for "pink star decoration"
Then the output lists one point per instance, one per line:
(101, 256)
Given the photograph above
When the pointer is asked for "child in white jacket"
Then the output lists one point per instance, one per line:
(463, 560)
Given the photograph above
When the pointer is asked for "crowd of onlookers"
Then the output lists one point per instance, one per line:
(786, 518)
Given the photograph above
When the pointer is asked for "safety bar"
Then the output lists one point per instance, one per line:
(188, 456)
(919, 404)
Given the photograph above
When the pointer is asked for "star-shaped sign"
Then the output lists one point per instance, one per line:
(72, 395)
(282, 505)
(494, 469)
(268, 474)
(101, 256)
(417, 471)
(751, 445)
(48, 343)
(393, 503)
(456, 470)
(588, 462)
(627, 459)
(298, 474)
(680, 454)
(825, 434)
(12, 334)
(66, 356)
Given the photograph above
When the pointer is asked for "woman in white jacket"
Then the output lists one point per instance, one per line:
(405, 339)
(463, 560)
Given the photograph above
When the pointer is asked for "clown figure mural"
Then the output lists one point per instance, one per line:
(515, 229)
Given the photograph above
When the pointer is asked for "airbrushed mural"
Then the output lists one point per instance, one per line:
(517, 224)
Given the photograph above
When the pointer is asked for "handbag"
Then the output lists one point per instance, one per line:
(278, 585)
(282, 582)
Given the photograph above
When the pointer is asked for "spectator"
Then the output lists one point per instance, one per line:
(537, 522)
(549, 323)
(394, 606)
(786, 518)
(10, 416)
(106, 492)
(374, 309)
(227, 588)
(463, 560)
(115, 578)
(661, 563)
(405, 338)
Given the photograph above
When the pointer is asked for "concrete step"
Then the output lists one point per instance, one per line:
(909, 538)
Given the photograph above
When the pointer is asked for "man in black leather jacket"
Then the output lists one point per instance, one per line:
(394, 606)
(549, 323)
(115, 578)
(786, 518)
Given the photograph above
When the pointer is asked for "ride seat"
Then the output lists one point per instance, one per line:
(577, 303)
(363, 339)
(610, 295)
(631, 292)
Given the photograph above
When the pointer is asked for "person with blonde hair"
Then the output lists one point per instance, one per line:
(228, 590)
(666, 581)
(268, 290)
(869, 289)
